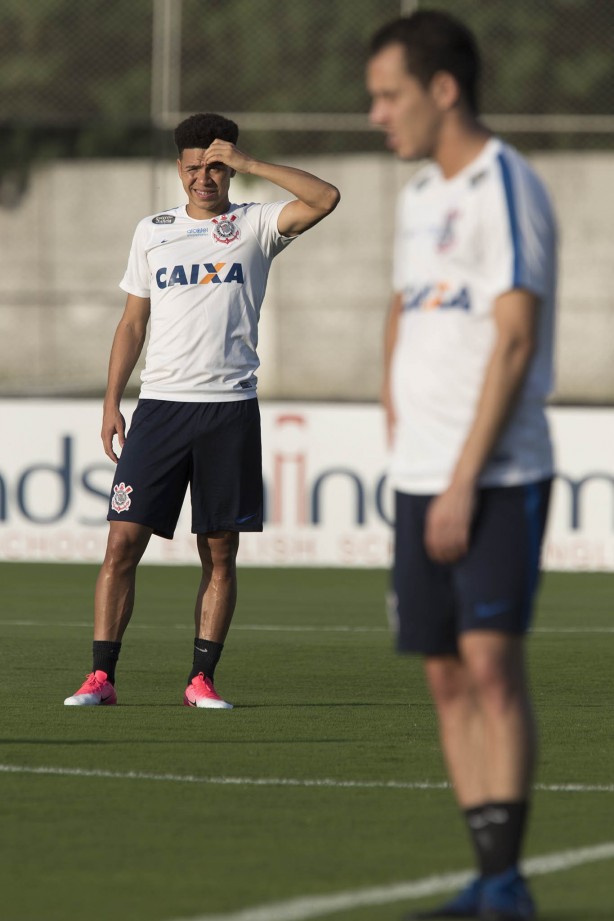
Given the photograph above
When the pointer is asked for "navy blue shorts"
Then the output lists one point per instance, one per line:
(491, 588)
(213, 447)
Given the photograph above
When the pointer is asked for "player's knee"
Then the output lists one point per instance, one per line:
(496, 682)
(218, 553)
(124, 549)
(495, 665)
(446, 680)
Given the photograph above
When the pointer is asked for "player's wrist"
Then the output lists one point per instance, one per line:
(111, 404)
(252, 166)
(464, 480)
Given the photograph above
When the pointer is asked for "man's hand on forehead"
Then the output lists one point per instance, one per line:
(226, 153)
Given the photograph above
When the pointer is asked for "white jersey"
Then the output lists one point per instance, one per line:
(460, 244)
(206, 280)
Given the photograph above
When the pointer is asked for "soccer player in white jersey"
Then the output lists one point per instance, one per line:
(198, 272)
(467, 371)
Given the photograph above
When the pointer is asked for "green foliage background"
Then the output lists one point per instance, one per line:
(75, 74)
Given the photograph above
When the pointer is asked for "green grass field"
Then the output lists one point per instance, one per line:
(211, 814)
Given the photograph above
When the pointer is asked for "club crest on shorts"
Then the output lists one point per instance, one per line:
(226, 231)
(121, 500)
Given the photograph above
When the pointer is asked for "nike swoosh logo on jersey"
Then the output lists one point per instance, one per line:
(492, 608)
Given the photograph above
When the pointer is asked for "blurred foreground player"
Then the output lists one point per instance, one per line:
(200, 272)
(468, 368)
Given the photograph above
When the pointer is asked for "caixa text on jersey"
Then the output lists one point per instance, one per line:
(200, 273)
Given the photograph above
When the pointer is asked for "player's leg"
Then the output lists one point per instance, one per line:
(488, 739)
(147, 494)
(497, 674)
(114, 594)
(482, 699)
(485, 715)
(113, 605)
(461, 736)
(227, 497)
(215, 605)
(460, 726)
(217, 593)
(496, 584)
(426, 624)
(506, 751)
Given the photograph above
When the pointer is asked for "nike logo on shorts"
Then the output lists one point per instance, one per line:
(245, 518)
(492, 608)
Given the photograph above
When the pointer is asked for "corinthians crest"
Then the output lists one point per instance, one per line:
(447, 235)
(225, 230)
(121, 500)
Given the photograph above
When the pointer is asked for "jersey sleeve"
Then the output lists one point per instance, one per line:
(263, 218)
(137, 277)
(518, 230)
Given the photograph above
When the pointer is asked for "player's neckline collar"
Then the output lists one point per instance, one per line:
(485, 154)
(202, 220)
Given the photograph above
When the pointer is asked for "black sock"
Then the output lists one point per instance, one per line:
(206, 656)
(105, 655)
(497, 831)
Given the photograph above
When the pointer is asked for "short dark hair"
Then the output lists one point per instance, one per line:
(435, 41)
(201, 130)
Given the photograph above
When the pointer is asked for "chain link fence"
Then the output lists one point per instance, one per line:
(83, 78)
(98, 86)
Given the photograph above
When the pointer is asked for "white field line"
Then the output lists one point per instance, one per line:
(318, 906)
(323, 782)
(283, 628)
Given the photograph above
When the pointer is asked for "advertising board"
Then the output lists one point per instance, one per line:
(327, 502)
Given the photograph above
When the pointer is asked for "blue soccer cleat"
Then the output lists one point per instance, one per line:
(506, 897)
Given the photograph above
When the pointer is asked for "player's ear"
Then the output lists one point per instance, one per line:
(179, 167)
(445, 90)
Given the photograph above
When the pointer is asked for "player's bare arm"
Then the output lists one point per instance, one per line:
(390, 339)
(315, 197)
(127, 346)
(450, 514)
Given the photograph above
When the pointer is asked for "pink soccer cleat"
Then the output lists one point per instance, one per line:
(201, 693)
(95, 690)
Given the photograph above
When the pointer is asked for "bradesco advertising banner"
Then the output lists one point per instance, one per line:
(327, 502)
